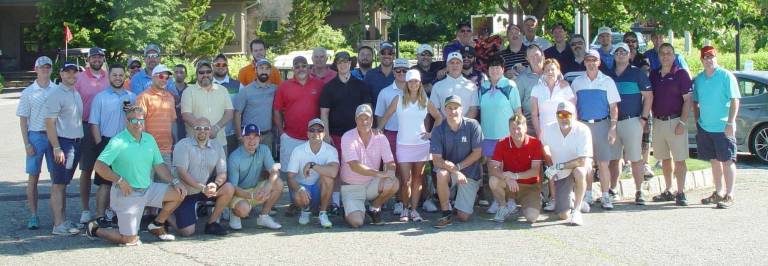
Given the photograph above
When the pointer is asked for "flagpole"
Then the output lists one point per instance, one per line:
(66, 42)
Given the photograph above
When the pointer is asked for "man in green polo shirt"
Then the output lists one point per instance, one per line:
(132, 155)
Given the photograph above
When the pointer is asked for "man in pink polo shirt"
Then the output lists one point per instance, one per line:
(362, 153)
(89, 83)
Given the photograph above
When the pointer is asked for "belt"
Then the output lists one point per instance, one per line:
(625, 117)
(75, 139)
(667, 117)
(592, 121)
(40, 131)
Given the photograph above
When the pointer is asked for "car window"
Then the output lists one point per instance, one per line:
(749, 87)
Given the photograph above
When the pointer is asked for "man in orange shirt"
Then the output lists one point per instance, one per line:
(160, 109)
(247, 74)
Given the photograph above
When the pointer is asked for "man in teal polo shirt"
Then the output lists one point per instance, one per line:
(132, 155)
(718, 90)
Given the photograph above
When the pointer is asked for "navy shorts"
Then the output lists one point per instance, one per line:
(185, 213)
(715, 146)
(39, 142)
(62, 173)
(88, 152)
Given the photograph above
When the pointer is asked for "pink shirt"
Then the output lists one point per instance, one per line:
(329, 75)
(299, 104)
(371, 156)
(88, 86)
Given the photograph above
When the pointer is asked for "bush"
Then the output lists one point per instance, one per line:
(235, 64)
(408, 49)
(2, 80)
(728, 61)
(329, 38)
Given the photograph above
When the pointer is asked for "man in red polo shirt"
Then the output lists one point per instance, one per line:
(515, 169)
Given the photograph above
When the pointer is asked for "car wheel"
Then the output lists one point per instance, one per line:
(758, 143)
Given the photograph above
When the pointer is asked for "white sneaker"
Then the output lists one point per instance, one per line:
(588, 197)
(576, 218)
(429, 206)
(235, 223)
(324, 221)
(398, 209)
(501, 214)
(304, 217)
(65, 229)
(549, 206)
(493, 208)
(266, 221)
(648, 170)
(85, 217)
(585, 208)
(512, 206)
(606, 202)
(160, 232)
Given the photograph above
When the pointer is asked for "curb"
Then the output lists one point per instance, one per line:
(654, 186)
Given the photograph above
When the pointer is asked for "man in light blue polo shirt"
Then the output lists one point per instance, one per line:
(107, 119)
(596, 98)
(718, 90)
(143, 79)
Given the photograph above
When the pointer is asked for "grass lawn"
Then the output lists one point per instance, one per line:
(693, 165)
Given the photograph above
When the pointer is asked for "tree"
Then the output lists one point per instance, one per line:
(304, 21)
(204, 38)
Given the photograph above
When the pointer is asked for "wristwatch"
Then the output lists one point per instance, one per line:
(312, 165)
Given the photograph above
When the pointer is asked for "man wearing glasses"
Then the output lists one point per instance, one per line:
(468, 66)
(143, 79)
(221, 77)
(159, 106)
(429, 70)
(133, 67)
(381, 76)
(463, 38)
(207, 100)
(578, 47)
(636, 58)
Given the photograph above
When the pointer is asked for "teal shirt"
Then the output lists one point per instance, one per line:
(497, 105)
(714, 96)
(244, 170)
(132, 159)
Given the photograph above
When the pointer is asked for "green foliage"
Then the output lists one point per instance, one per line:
(408, 49)
(728, 61)
(204, 38)
(304, 22)
(2, 80)
(235, 64)
(328, 37)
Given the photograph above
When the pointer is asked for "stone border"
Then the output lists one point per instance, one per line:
(654, 186)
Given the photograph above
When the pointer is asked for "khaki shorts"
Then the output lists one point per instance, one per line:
(261, 186)
(129, 209)
(629, 140)
(354, 196)
(667, 145)
(529, 196)
(465, 194)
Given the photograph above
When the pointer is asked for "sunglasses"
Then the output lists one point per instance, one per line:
(564, 115)
(152, 55)
(202, 128)
(204, 72)
(387, 53)
(300, 66)
(401, 70)
(135, 66)
(220, 65)
(426, 54)
(136, 121)
(163, 76)
(592, 59)
(630, 41)
(316, 130)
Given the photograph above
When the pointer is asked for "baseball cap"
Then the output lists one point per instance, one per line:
(316, 121)
(463, 24)
(468, 50)
(251, 129)
(452, 99)
(263, 61)
(708, 50)
(363, 109)
(621, 45)
(386, 45)
(566, 106)
(526, 18)
(160, 69)
(341, 55)
(603, 29)
(593, 53)
(95, 51)
(425, 48)
(401, 63)
(151, 47)
(454, 55)
(298, 59)
(43, 60)
(412, 74)
(69, 66)
(203, 62)
(133, 60)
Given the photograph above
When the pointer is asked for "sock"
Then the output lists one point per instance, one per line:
(336, 198)
(321, 213)
(374, 209)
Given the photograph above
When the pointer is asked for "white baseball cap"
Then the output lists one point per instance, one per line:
(160, 69)
(424, 47)
(412, 74)
(454, 55)
(621, 45)
(603, 29)
(401, 63)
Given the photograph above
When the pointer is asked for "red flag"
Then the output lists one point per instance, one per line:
(67, 34)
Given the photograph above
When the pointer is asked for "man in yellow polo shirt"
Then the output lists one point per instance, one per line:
(207, 100)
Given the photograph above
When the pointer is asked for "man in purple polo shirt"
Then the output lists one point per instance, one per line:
(463, 38)
(671, 103)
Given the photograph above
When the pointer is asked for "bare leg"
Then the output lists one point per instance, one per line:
(614, 169)
(499, 190)
(274, 195)
(326, 191)
(102, 200)
(605, 176)
(355, 219)
(417, 179)
(405, 187)
(729, 168)
(443, 189)
(681, 169)
(32, 193)
(223, 197)
(637, 174)
(85, 189)
(387, 188)
(114, 236)
(171, 200)
(57, 203)
(717, 175)
(667, 168)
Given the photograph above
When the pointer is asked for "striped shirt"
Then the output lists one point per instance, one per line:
(160, 109)
(513, 58)
(32, 105)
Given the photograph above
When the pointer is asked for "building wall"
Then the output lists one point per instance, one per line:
(11, 19)
(233, 9)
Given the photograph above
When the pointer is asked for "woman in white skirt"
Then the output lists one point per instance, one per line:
(411, 109)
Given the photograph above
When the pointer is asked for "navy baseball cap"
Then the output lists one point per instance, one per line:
(251, 129)
(69, 66)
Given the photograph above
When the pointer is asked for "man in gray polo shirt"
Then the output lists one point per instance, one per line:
(456, 147)
(253, 104)
(64, 128)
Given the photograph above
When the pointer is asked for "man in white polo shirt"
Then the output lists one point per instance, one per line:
(456, 84)
(569, 144)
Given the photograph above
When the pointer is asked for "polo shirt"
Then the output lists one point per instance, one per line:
(299, 104)
(353, 149)
(342, 99)
(454, 46)
(547, 101)
(32, 105)
(65, 104)
(160, 113)
(475, 76)
(329, 75)
(513, 58)
(382, 103)
(210, 104)
(199, 161)
(594, 97)
(541, 42)
(233, 86)
(254, 102)
(578, 143)
(131, 158)
(630, 84)
(88, 85)
(107, 111)
(525, 83)
(500, 101)
(461, 86)
(429, 76)
(564, 57)
(573, 66)
(715, 94)
(358, 74)
(653, 59)
(141, 82)
(455, 146)
(606, 58)
(302, 155)
(668, 91)
(247, 74)
(519, 159)
(639, 61)
(244, 170)
(377, 81)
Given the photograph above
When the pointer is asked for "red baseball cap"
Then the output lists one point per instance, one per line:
(708, 50)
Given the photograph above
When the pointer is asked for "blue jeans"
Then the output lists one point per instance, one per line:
(39, 142)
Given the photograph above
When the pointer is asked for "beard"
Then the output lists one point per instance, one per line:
(205, 82)
(117, 86)
(365, 64)
(263, 77)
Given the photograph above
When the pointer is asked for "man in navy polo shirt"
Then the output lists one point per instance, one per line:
(634, 109)
(596, 98)
(463, 38)
(383, 75)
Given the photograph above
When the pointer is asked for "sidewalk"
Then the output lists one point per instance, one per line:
(626, 188)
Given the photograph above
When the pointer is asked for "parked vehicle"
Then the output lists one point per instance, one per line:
(618, 37)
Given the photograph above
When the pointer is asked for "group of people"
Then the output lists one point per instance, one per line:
(354, 139)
